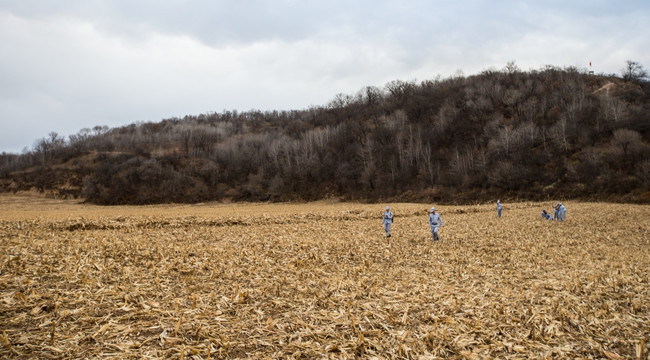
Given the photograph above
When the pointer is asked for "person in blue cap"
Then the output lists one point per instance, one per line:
(435, 221)
(387, 220)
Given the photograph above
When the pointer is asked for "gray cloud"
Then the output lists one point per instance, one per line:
(66, 65)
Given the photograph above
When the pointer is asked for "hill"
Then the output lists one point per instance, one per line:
(547, 134)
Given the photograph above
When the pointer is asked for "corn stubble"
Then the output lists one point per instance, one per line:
(216, 281)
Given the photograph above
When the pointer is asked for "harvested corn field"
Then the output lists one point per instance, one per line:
(321, 280)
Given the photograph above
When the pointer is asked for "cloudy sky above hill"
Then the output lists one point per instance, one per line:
(72, 64)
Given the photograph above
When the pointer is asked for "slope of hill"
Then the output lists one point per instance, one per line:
(553, 133)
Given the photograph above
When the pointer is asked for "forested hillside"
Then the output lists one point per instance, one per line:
(546, 134)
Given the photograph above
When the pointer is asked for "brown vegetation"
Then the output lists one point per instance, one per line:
(320, 280)
(502, 133)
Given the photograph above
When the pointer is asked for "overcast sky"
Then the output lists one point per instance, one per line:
(72, 64)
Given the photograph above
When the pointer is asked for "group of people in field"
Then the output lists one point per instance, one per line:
(559, 213)
(435, 221)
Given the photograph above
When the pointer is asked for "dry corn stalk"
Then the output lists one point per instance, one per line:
(317, 281)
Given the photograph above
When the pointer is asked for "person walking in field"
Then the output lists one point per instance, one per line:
(499, 208)
(561, 212)
(387, 220)
(556, 212)
(435, 221)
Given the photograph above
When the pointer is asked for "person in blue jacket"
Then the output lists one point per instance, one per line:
(561, 212)
(546, 215)
(435, 221)
(387, 220)
(499, 208)
(556, 211)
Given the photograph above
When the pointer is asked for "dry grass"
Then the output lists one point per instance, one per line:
(321, 281)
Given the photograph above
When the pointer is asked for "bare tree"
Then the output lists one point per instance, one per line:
(461, 163)
(429, 163)
(629, 141)
(524, 137)
(47, 148)
(100, 130)
(500, 145)
(368, 160)
(371, 95)
(633, 71)
(397, 123)
(559, 134)
(643, 171)
(400, 91)
(80, 140)
(511, 67)
(446, 115)
(627, 148)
